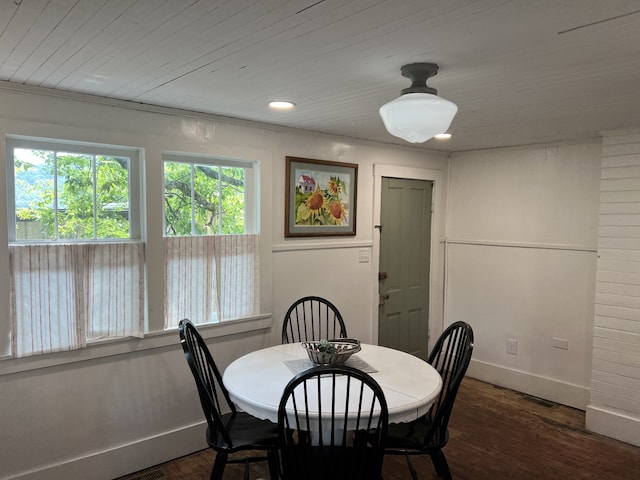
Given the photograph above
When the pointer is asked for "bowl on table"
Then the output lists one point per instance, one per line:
(331, 352)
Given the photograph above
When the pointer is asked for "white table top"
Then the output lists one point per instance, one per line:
(256, 381)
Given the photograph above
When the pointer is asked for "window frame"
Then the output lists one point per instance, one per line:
(251, 182)
(33, 143)
(136, 231)
(251, 212)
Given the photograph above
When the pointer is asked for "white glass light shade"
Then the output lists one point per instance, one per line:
(417, 117)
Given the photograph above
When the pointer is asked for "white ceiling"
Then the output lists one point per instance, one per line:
(521, 72)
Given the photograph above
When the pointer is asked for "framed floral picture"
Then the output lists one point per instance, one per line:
(320, 198)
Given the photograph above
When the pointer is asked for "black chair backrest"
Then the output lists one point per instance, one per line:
(450, 356)
(339, 446)
(213, 396)
(311, 319)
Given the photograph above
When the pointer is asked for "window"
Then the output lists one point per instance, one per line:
(76, 256)
(203, 199)
(211, 242)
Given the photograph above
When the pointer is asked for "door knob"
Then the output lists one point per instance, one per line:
(382, 275)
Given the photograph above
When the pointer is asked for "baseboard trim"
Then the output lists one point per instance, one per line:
(568, 394)
(124, 459)
(614, 424)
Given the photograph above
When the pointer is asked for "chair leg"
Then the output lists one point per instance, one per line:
(218, 466)
(247, 469)
(412, 469)
(274, 464)
(440, 464)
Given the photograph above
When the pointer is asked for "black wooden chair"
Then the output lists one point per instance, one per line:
(312, 318)
(339, 446)
(228, 430)
(429, 434)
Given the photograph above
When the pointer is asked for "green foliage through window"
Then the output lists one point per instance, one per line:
(203, 199)
(70, 196)
(63, 195)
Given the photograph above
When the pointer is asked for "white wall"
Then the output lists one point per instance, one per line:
(521, 257)
(68, 414)
(614, 407)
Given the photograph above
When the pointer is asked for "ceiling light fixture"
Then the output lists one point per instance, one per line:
(281, 105)
(418, 114)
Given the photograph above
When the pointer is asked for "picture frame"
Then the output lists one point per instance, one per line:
(320, 198)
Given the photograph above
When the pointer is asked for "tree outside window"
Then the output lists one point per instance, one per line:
(203, 199)
(70, 196)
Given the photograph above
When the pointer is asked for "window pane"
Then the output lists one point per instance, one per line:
(217, 196)
(177, 199)
(232, 200)
(75, 196)
(206, 194)
(112, 197)
(34, 194)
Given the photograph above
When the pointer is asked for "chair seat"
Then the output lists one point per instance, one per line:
(411, 436)
(337, 463)
(246, 432)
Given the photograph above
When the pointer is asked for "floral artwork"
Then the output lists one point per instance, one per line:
(320, 198)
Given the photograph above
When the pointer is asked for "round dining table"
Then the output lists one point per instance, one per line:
(256, 381)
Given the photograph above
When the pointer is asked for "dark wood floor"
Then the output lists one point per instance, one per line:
(495, 433)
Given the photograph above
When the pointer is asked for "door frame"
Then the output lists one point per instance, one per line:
(436, 255)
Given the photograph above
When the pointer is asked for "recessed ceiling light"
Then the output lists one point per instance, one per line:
(280, 105)
(443, 136)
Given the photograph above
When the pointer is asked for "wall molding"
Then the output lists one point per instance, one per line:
(535, 245)
(295, 247)
(613, 424)
(575, 396)
(124, 459)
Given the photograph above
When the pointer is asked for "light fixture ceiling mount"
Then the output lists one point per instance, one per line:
(419, 73)
(418, 114)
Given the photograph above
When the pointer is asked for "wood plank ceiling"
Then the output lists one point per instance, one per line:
(521, 72)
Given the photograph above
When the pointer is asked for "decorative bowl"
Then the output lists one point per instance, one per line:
(331, 352)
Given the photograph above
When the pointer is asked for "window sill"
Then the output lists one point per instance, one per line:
(150, 341)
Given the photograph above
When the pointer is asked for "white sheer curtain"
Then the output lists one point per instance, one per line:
(210, 278)
(115, 290)
(65, 295)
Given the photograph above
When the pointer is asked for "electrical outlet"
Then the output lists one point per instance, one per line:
(561, 343)
(512, 346)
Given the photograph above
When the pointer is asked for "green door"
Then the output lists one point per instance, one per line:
(405, 246)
